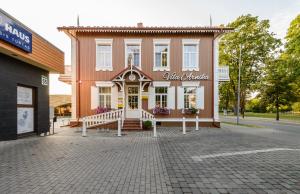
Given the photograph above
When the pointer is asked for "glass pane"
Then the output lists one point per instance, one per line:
(133, 48)
(190, 90)
(105, 90)
(193, 59)
(136, 59)
(190, 48)
(104, 48)
(157, 100)
(186, 60)
(133, 102)
(192, 100)
(164, 101)
(161, 90)
(164, 60)
(157, 59)
(161, 48)
(133, 90)
(108, 101)
(101, 98)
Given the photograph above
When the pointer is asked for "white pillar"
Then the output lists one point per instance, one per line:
(197, 123)
(140, 104)
(154, 128)
(74, 79)
(83, 127)
(119, 127)
(183, 126)
(216, 79)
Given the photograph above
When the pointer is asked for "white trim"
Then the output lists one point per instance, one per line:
(133, 42)
(74, 78)
(193, 42)
(104, 42)
(161, 83)
(216, 79)
(104, 83)
(161, 41)
(190, 84)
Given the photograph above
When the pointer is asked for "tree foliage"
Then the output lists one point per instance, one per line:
(257, 45)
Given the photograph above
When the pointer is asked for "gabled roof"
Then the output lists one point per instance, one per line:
(140, 29)
(134, 69)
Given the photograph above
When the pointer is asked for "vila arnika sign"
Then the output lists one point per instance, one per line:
(184, 76)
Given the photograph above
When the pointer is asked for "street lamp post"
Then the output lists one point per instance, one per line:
(239, 88)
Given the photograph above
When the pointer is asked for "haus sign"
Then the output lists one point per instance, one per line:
(14, 34)
(184, 76)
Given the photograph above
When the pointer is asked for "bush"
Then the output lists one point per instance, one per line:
(296, 107)
(147, 125)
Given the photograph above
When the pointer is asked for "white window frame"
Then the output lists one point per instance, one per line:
(195, 42)
(136, 42)
(161, 94)
(105, 42)
(105, 94)
(184, 94)
(159, 42)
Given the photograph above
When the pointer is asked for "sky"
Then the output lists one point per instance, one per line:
(44, 16)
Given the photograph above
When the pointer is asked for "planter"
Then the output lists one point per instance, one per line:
(161, 111)
(100, 110)
(190, 111)
(147, 125)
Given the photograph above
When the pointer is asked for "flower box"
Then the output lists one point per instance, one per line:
(100, 110)
(190, 111)
(161, 111)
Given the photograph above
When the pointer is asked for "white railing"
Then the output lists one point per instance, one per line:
(147, 116)
(102, 118)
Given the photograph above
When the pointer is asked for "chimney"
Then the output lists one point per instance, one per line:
(140, 25)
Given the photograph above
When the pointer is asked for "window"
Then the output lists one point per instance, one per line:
(133, 52)
(161, 97)
(161, 55)
(189, 97)
(133, 55)
(104, 54)
(105, 97)
(190, 55)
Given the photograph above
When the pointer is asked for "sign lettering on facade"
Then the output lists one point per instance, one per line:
(15, 34)
(44, 80)
(184, 77)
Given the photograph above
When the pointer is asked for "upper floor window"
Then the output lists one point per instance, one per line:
(190, 55)
(161, 55)
(104, 54)
(133, 52)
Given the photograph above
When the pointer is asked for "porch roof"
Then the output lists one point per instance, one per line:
(129, 68)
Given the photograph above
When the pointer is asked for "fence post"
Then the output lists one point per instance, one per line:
(119, 127)
(83, 128)
(183, 126)
(154, 128)
(197, 123)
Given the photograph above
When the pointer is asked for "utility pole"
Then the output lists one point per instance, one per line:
(239, 89)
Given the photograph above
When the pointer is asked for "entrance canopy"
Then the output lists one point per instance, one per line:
(132, 74)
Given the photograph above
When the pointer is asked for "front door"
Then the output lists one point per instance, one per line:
(132, 102)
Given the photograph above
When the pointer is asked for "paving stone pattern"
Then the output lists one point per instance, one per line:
(139, 163)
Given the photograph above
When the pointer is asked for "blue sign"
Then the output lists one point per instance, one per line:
(15, 34)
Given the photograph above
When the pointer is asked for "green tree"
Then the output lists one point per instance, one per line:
(277, 90)
(257, 46)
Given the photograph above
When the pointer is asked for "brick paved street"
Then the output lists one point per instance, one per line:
(139, 163)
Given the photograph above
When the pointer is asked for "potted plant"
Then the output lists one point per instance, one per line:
(161, 111)
(147, 125)
(190, 111)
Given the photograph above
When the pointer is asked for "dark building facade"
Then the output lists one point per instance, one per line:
(24, 73)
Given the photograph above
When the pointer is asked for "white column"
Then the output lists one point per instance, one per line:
(183, 126)
(124, 103)
(154, 128)
(197, 123)
(140, 104)
(83, 128)
(73, 78)
(216, 79)
(119, 127)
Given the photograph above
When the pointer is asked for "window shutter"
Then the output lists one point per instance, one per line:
(171, 97)
(114, 97)
(151, 98)
(200, 97)
(94, 97)
(180, 98)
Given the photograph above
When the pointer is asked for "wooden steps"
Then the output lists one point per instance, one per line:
(131, 125)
